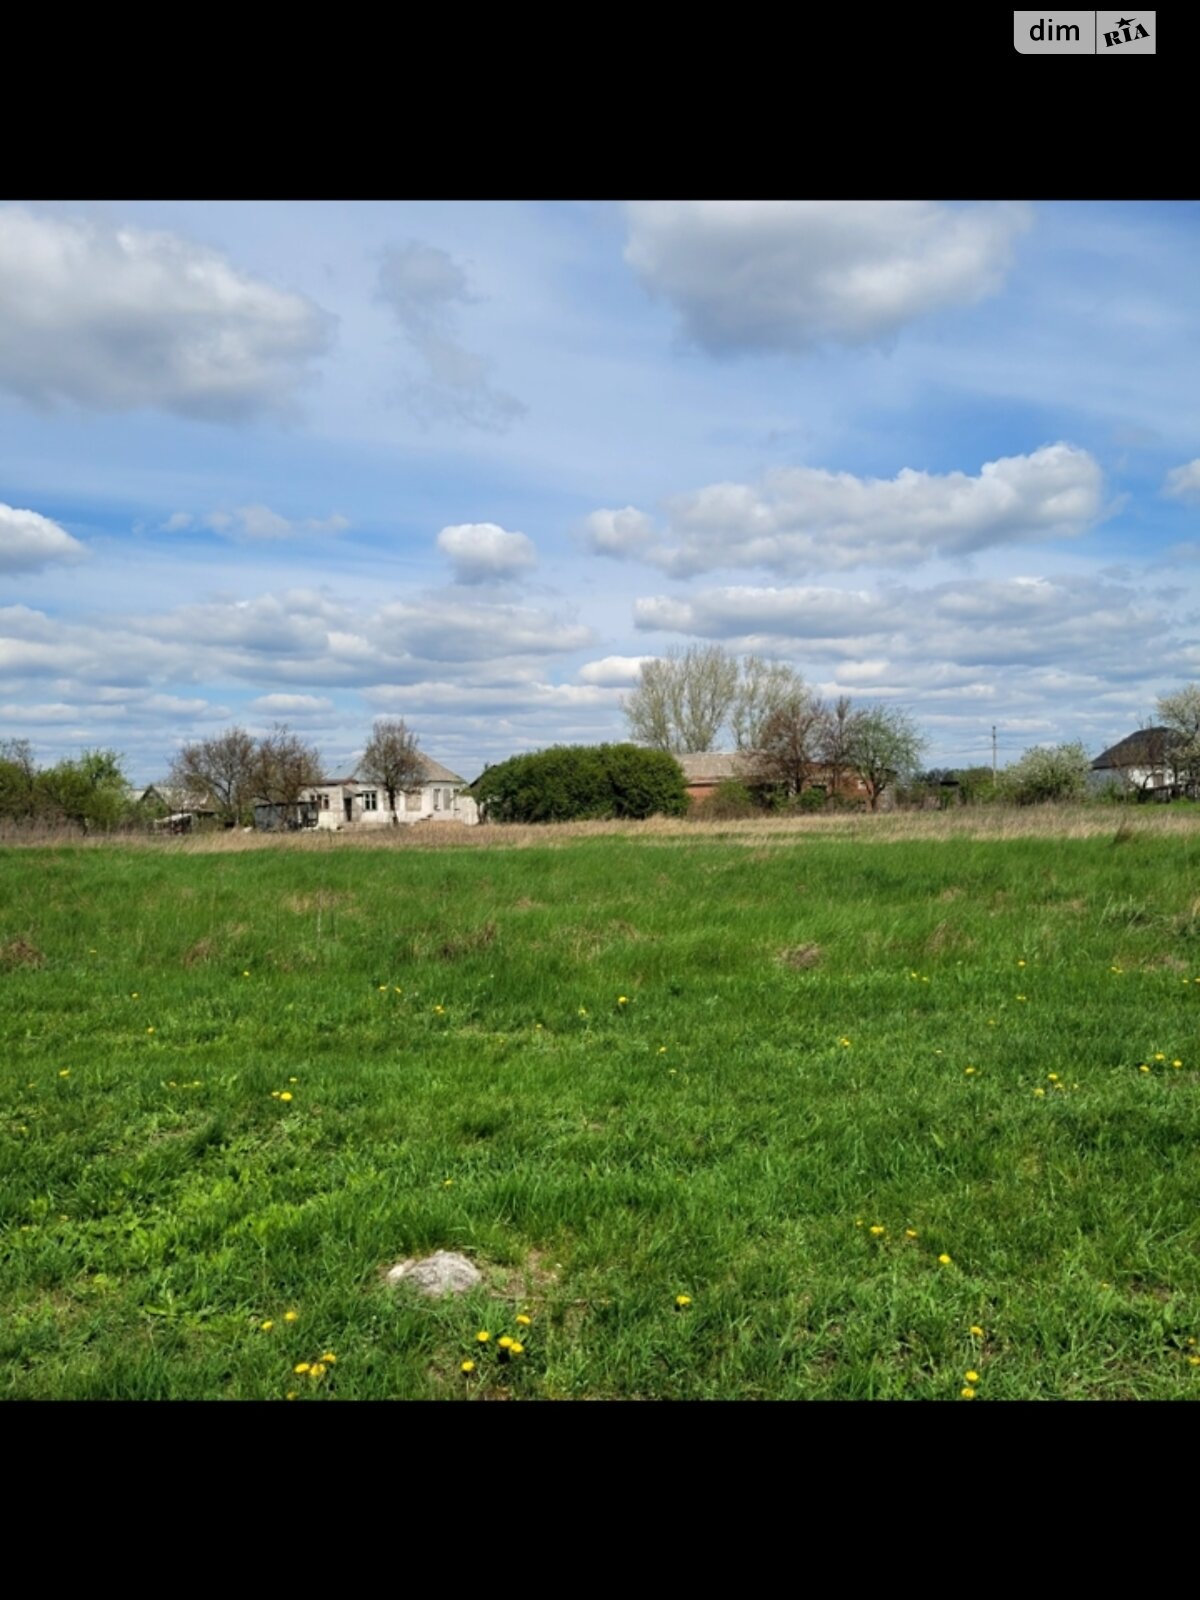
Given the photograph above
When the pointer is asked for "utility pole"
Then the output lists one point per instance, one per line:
(993, 755)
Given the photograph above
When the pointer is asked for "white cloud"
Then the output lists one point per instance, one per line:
(613, 672)
(422, 285)
(482, 550)
(792, 274)
(292, 705)
(29, 541)
(807, 519)
(115, 318)
(620, 533)
(254, 523)
(1183, 483)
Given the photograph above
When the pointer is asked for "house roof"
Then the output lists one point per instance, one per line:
(713, 766)
(1146, 747)
(435, 772)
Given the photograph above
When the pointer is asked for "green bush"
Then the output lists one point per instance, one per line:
(1045, 774)
(728, 801)
(576, 783)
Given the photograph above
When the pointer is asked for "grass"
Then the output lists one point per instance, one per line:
(823, 1032)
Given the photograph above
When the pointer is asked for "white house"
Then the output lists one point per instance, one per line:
(1142, 762)
(356, 802)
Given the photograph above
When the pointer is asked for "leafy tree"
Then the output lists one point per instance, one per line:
(1180, 712)
(392, 759)
(579, 782)
(1047, 773)
(18, 781)
(977, 785)
(220, 770)
(683, 699)
(90, 792)
(790, 739)
(883, 746)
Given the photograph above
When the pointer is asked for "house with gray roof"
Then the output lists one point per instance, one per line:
(354, 801)
(1142, 762)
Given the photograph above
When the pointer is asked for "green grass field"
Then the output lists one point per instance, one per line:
(854, 1098)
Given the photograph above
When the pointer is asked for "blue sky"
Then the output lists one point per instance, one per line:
(469, 463)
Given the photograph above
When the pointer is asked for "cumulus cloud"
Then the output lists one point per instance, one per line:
(29, 541)
(613, 672)
(479, 551)
(423, 286)
(807, 519)
(116, 318)
(621, 533)
(292, 705)
(793, 274)
(254, 523)
(1183, 483)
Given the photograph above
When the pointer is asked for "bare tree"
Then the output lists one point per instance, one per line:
(392, 759)
(1180, 711)
(764, 688)
(283, 768)
(883, 745)
(683, 698)
(220, 770)
(789, 743)
(835, 743)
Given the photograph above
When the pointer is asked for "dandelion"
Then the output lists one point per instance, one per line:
(506, 1343)
(149, 1030)
(1020, 963)
(845, 1043)
(516, 1348)
(683, 1301)
(329, 1358)
(1194, 1361)
(910, 1233)
(383, 988)
(291, 1394)
(944, 1259)
(975, 1331)
(524, 1321)
(968, 1393)
(1116, 969)
(877, 1229)
(622, 1000)
(245, 974)
(397, 989)
(439, 1011)
(971, 1377)
(302, 1366)
(274, 1093)
(583, 1011)
(447, 1183)
(1039, 1094)
(483, 1336)
(291, 1316)
(135, 995)
(65, 1073)
(293, 1080)
(468, 1367)
(970, 1072)
(1143, 1067)
(1021, 997)
(662, 1049)
(286, 1095)
(266, 1326)
(1177, 1063)
(317, 1370)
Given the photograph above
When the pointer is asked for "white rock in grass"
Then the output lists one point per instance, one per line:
(436, 1275)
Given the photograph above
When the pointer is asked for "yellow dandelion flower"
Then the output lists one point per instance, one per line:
(910, 1233)
(396, 988)
(622, 1000)
(302, 1366)
(65, 1073)
(583, 1011)
(439, 1011)
(1177, 1063)
(944, 1259)
(683, 1301)
(291, 1394)
(975, 1331)
(134, 995)
(662, 1049)
(149, 1030)
(970, 1071)
(877, 1229)
(971, 1377)
(291, 1316)
(524, 1321)
(483, 1336)
(383, 988)
(447, 1183)
(1194, 1361)
(1143, 1067)
(1052, 1076)
(1160, 1056)
(317, 1370)
(506, 1343)
(266, 1326)
(245, 974)
(845, 1043)
(968, 1393)
(1021, 997)
(274, 1094)
(329, 1358)
(467, 1366)
(1039, 1093)
(293, 1080)
(286, 1095)
(516, 1349)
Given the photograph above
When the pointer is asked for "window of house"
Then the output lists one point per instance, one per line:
(323, 801)
(370, 800)
(412, 800)
(437, 799)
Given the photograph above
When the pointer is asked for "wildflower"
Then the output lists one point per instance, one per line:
(134, 995)
(910, 1233)
(1189, 1341)
(944, 1259)
(274, 1093)
(266, 1326)
(291, 1316)
(1116, 969)
(1177, 1063)
(286, 1095)
(1160, 1056)
(317, 1370)
(971, 1377)
(622, 1000)
(583, 1011)
(149, 1030)
(968, 1393)
(992, 1023)
(329, 1358)
(293, 1080)
(524, 1321)
(467, 1366)
(302, 1366)
(1020, 963)
(439, 1011)
(1052, 1076)
(506, 1343)
(975, 1331)
(516, 1349)
(662, 1049)
(1039, 1094)
(970, 1072)
(845, 1043)
(683, 1301)
(1143, 1067)
(245, 974)
(447, 1183)
(383, 988)
(1194, 1361)
(483, 1336)
(877, 1229)
(1021, 997)
(291, 1394)
(65, 1073)
(396, 987)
